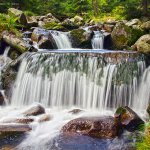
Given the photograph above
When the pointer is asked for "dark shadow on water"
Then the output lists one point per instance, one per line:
(11, 140)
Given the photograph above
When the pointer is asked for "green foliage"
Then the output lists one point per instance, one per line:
(29, 13)
(9, 23)
(144, 142)
(117, 9)
(53, 26)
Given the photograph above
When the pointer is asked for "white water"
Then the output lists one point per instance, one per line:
(61, 82)
(68, 80)
(98, 40)
(61, 39)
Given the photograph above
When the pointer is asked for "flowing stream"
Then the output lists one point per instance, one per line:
(96, 82)
(98, 40)
(61, 39)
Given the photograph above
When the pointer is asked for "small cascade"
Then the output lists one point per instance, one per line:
(98, 40)
(61, 39)
(74, 79)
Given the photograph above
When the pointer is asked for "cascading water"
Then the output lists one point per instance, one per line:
(98, 40)
(61, 39)
(96, 82)
(66, 80)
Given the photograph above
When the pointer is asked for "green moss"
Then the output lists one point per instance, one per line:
(135, 35)
(53, 26)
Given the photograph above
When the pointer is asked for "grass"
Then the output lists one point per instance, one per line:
(144, 143)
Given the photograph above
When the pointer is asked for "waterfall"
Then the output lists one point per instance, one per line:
(98, 40)
(61, 39)
(74, 79)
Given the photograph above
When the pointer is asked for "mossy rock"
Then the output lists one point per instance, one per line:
(54, 26)
(124, 36)
(80, 39)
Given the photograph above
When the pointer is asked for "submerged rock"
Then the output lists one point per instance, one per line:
(35, 111)
(45, 118)
(128, 118)
(99, 127)
(75, 111)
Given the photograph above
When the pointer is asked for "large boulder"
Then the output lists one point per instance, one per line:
(128, 118)
(133, 22)
(142, 44)
(80, 38)
(16, 42)
(18, 14)
(146, 26)
(46, 42)
(32, 22)
(34, 111)
(38, 33)
(43, 38)
(69, 24)
(124, 36)
(121, 35)
(99, 127)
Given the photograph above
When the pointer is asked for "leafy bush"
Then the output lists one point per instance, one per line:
(9, 23)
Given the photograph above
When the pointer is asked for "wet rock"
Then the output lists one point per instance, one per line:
(75, 111)
(12, 129)
(148, 109)
(34, 111)
(18, 14)
(80, 38)
(38, 33)
(45, 118)
(8, 147)
(128, 118)
(19, 120)
(99, 127)
(2, 100)
(142, 44)
(46, 43)
(27, 34)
